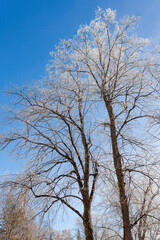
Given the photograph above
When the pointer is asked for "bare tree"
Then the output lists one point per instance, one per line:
(55, 134)
(91, 113)
(57, 140)
(116, 65)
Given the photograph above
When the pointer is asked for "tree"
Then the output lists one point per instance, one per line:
(57, 139)
(15, 218)
(91, 114)
(65, 234)
(115, 65)
(78, 235)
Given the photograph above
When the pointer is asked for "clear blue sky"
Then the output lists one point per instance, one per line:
(29, 29)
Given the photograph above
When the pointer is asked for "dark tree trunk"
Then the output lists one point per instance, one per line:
(88, 225)
(119, 173)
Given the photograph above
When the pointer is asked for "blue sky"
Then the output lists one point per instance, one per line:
(29, 29)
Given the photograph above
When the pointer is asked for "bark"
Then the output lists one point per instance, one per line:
(87, 224)
(127, 234)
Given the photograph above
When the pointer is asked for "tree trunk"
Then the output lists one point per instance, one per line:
(88, 225)
(127, 234)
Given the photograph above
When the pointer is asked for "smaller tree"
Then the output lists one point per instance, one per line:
(78, 235)
(16, 218)
(54, 234)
